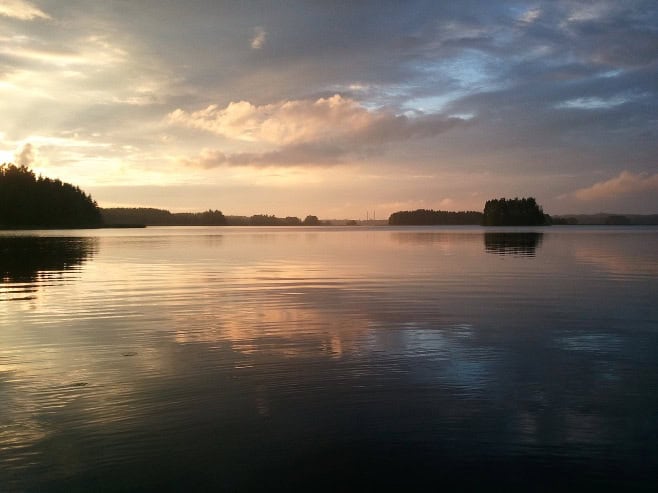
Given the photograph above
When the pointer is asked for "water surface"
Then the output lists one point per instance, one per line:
(328, 358)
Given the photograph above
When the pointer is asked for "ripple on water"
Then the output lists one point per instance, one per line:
(386, 351)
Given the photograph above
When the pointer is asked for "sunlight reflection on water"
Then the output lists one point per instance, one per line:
(376, 356)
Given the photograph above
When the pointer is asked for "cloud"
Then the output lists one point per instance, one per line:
(283, 123)
(333, 119)
(625, 184)
(324, 131)
(26, 156)
(20, 9)
(258, 41)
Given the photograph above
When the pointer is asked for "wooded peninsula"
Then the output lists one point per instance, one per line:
(30, 202)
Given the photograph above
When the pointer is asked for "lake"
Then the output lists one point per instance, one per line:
(340, 359)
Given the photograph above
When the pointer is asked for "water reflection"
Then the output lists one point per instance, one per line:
(332, 361)
(517, 244)
(430, 237)
(29, 258)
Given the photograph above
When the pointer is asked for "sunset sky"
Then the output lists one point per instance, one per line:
(335, 108)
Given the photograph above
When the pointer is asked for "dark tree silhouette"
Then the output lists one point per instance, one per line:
(145, 216)
(292, 221)
(428, 217)
(266, 220)
(311, 221)
(30, 202)
(514, 212)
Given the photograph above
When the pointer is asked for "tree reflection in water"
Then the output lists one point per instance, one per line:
(517, 244)
(25, 259)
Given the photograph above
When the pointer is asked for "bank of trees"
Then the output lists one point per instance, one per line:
(269, 220)
(147, 216)
(497, 212)
(428, 217)
(28, 201)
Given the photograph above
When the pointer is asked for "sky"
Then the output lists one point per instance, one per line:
(340, 109)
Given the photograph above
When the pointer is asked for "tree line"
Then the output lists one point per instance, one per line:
(430, 217)
(607, 219)
(270, 220)
(497, 212)
(146, 216)
(28, 201)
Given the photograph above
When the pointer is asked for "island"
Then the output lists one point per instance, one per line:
(514, 212)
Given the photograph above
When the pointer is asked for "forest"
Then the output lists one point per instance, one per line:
(428, 217)
(146, 216)
(514, 212)
(28, 201)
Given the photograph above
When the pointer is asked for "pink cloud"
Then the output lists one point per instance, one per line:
(624, 184)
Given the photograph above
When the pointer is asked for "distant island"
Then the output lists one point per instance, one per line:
(30, 202)
(497, 212)
(514, 212)
(146, 216)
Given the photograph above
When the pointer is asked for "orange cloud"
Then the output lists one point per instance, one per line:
(624, 184)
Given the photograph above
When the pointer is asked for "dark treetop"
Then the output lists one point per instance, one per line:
(30, 202)
(514, 212)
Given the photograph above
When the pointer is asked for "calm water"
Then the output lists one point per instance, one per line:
(328, 358)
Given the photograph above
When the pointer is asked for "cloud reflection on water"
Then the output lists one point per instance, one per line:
(299, 340)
